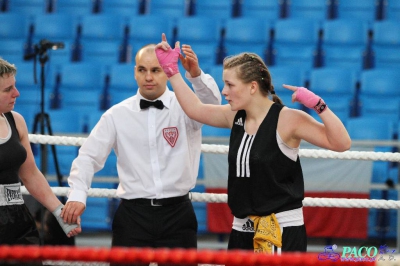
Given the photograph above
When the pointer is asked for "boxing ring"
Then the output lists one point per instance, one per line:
(63, 255)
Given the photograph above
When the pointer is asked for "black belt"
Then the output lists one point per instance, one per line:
(159, 202)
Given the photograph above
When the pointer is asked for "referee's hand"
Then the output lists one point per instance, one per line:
(71, 211)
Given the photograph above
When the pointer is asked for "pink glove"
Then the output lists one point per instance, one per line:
(309, 99)
(169, 60)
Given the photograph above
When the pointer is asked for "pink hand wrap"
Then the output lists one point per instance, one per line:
(309, 99)
(169, 60)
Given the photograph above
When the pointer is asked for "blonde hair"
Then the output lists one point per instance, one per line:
(6, 68)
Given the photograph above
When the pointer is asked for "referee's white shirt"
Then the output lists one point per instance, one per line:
(148, 165)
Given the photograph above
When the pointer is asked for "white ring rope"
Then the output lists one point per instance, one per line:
(223, 149)
(223, 198)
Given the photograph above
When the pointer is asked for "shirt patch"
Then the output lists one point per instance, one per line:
(13, 194)
(171, 135)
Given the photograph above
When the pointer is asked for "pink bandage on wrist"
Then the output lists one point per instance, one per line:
(309, 99)
(169, 60)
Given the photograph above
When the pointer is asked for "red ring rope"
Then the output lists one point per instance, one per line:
(162, 255)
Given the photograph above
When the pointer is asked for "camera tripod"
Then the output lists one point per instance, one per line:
(42, 119)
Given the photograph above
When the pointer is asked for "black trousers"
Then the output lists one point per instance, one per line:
(171, 226)
(294, 238)
(17, 227)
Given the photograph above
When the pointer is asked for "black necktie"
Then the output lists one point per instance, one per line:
(146, 104)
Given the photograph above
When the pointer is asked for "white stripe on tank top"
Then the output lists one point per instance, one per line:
(243, 156)
(242, 159)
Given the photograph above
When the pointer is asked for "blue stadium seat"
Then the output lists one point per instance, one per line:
(386, 44)
(333, 81)
(65, 156)
(247, 35)
(344, 43)
(110, 167)
(85, 101)
(62, 56)
(30, 92)
(289, 75)
(82, 76)
(185, 34)
(394, 174)
(200, 209)
(261, 8)
(29, 105)
(316, 9)
(103, 52)
(102, 38)
(296, 42)
(390, 110)
(382, 223)
(380, 82)
(204, 40)
(75, 7)
(13, 50)
(354, 9)
(386, 33)
(200, 174)
(386, 57)
(81, 85)
(147, 29)
(172, 8)
(55, 27)
(373, 128)
(91, 119)
(391, 9)
(216, 72)
(122, 83)
(29, 8)
(337, 86)
(99, 211)
(106, 27)
(209, 131)
(124, 8)
(14, 26)
(28, 111)
(119, 96)
(66, 121)
(220, 10)
(379, 85)
(381, 169)
(122, 77)
(25, 78)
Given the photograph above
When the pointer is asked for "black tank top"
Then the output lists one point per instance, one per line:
(12, 155)
(262, 180)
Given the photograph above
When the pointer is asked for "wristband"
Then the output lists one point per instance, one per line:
(169, 60)
(65, 227)
(320, 107)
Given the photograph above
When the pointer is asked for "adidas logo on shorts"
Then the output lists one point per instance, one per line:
(248, 226)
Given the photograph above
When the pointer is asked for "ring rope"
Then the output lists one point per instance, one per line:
(223, 198)
(223, 149)
(163, 255)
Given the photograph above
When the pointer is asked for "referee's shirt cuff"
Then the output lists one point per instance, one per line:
(197, 81)
(77, 195)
